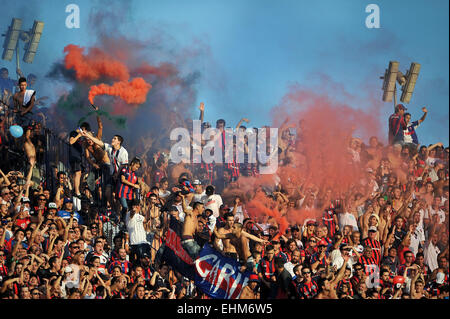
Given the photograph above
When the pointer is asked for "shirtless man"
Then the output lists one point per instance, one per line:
(193, 224)
(239, 239)
(94, 146)
(228, 248)
(28, 146)
(24, 101)
(398, 201)
(249, 291)
(327, 287)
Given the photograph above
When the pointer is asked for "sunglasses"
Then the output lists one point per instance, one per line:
(306, 272)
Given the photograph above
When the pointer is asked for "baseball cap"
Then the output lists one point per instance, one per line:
(25, 200)
(52, 205)
(197, 182)
(322, 242)
(311, 222)
(68, 269)
(253, 278)
(440, 277)
(373, 228)
(4, 202)
(68, 200)
(401, 107)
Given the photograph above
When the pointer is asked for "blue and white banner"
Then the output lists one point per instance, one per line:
(219, 276)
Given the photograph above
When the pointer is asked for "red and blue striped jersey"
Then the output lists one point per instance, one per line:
(315, 257)
(346, 281)
(329, 222)
(125, 191)
(376, 248)
(308, 290)
(267, 268)
(234, 169)
(124, 265)
(370, 265)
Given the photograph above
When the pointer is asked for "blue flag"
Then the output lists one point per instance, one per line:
(219, 276)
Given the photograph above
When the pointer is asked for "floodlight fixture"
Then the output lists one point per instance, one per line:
(11, 39)
(390, 76)
(32, 44)
(31, 39)
(411, 78)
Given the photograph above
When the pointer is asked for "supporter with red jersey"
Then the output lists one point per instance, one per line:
(309, 288)
(122, 262)
(266, 272)
(128, 182)
(375, 244)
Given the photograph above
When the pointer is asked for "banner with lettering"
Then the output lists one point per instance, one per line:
(219, 276)
(174, 254)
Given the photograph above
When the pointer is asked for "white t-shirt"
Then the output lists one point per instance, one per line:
(416, 238)
(431, 212)
(348, 219)
(337, 260)
(118, 159)
(289, 266)
(164, 194)
(431, 253)
(239, 214)
(213, 202)
(199, 197)
(135, 228)
(430, 161)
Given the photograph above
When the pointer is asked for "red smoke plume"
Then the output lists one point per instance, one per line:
(320, 158)
(133, 92)
(94, 65)
(97, 64)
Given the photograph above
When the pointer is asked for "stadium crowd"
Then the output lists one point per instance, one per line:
(95, 228)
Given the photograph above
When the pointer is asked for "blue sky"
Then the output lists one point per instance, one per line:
(256, 49)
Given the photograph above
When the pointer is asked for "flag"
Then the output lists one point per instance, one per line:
(219, 276)
(174, 254)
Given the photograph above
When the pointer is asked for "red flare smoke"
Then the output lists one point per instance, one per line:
(164, 70)
(97, 64)
(133, 92)
(94, 65)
